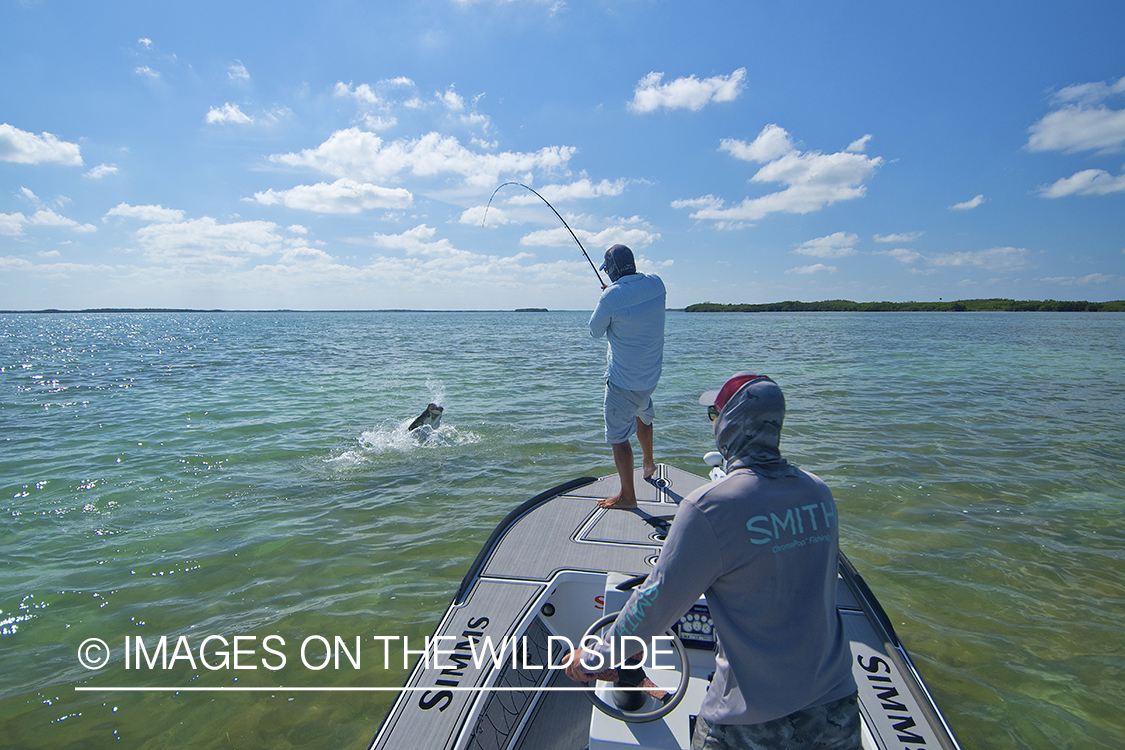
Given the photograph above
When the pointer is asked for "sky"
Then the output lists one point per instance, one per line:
(341, 155)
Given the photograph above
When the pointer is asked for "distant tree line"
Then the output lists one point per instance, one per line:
(963, 305)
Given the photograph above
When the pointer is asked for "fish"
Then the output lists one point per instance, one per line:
(431, 416)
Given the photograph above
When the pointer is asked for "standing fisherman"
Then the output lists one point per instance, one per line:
(630, 313)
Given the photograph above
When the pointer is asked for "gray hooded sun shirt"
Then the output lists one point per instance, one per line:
(762, 544)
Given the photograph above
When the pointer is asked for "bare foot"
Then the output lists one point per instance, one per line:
(617, 502)
(649, 470)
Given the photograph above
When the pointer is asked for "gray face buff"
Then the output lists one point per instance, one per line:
(748, 429)
(619, 262)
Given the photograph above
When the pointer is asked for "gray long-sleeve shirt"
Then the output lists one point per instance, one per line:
(765, 552)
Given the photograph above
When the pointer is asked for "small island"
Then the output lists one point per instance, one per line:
(964, 305)
(531, 309)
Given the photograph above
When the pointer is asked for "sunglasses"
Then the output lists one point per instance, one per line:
(712, 412)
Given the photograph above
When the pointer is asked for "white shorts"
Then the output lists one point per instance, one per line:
(622, 410)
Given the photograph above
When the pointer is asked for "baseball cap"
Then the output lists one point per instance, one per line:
(719, 397)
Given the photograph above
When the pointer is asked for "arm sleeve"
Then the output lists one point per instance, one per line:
(599, 321)
(688, 565)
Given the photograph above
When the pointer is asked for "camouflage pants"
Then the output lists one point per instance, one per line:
(829, 726)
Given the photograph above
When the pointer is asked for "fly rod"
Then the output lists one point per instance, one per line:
(497, 190)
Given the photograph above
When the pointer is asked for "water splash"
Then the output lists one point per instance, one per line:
(395, 439)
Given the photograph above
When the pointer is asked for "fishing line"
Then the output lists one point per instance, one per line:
(572, 234)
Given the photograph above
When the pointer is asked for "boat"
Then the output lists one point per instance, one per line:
(556, 566)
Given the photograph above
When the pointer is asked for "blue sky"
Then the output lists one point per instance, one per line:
(339, 155)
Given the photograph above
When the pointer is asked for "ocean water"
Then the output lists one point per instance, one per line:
(223, 475)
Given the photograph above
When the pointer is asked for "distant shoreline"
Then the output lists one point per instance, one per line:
(836, 305)
(964, 305)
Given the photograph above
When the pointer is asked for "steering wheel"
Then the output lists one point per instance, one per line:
(640, 717)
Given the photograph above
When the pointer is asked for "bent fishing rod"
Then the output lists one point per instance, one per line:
(572, 234)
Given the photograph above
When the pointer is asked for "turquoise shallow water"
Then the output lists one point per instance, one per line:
(248, 474)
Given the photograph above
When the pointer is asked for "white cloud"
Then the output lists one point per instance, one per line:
(836, 245)
(816, 268)
(227, 113)
(205, 242)
(772, 143)
(45, 217)
(145, 42)
(453, 101)
(27, 148)
(860, 145)
(993, 259)
(146, 72)
(150, 214)
(237, 72)
(11, 225)
(378, 122)
(343, 196)
(579, 189)
(101, 171)
(1086, 182)
(362, 93)
(478, 215)
(365, 157)
(902, 254)
(899, 237)
(1093, 278)
(631, 232)
(297, 229)
(968, 205)
(1082, 122)
(812, 179)
(685, 93)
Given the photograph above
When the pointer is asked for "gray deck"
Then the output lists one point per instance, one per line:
(571, 533)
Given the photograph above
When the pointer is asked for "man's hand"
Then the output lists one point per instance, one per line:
(574, 669)
(578, 673)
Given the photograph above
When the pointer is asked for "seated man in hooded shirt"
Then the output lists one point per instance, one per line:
(630, 314)
(762, 544)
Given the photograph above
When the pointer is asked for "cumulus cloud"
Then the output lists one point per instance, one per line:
(149, 214)
(365, 157)
(812, 179)
(968, 205)
(228, 113)
(902, 254)
(145, 71)
(206, 242)
(101, 171)
(993, 259)
(632, 232)
(343, 196)
(859, 145)
(237, 72)
(685, 93)
(22, 147)
(576, 190)
(836, 245)
(899, 237)
(815, 268)
(12, 225)
(492, 216)
(1082, 121)
(1086, 182)
(362, 93)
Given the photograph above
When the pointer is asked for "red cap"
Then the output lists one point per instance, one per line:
(719, 397)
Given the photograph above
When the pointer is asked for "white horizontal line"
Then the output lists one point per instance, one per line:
(238, 688)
